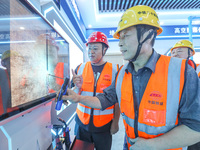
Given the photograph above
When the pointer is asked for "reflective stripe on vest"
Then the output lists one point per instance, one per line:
(198, 71)
(100, 118)
(158, 110)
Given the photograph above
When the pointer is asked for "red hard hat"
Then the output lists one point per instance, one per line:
(97, 37)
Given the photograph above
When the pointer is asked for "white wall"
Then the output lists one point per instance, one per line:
(75, 54)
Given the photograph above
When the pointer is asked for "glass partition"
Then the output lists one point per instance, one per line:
(34, 58)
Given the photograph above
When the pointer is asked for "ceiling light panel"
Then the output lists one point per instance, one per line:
(122, 5)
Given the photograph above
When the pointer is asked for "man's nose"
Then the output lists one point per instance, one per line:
(91, 50)
(120, 43)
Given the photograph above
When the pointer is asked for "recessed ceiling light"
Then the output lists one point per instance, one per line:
(89, 26)
(22, 28)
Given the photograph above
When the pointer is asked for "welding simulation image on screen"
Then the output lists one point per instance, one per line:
(34, 59)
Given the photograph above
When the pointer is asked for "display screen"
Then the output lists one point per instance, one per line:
(34, 58)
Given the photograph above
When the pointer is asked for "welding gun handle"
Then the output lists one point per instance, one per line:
(59, 104)
(62, 92)
(60, 101)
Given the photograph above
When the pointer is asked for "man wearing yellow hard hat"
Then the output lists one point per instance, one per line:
(184, 49)
(158, 112)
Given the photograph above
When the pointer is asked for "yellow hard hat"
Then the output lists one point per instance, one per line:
(136, 15)
(8, 54)
(184, 43)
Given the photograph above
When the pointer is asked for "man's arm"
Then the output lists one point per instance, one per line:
(90, 101)
(180, 136)
(101, 101)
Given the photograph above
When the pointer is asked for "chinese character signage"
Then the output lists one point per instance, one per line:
(107, 31)
(179, 30)
(4, 36)
(168, 31)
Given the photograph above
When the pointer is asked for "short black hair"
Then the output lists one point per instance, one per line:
(142, 28)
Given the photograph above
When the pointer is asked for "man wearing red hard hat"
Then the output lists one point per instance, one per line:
(90, 78)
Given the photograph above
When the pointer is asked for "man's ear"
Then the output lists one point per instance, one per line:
(190, 53)
(152, 34)
(146, 34)
(104, 51)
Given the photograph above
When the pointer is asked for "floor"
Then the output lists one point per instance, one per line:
(118, 138)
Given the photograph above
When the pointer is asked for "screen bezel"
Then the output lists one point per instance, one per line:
(21, 109)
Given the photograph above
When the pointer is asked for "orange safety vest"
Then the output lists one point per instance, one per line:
(158, 109)
(5, 92)
(59, 72)
(198, 70)
(192, 64)
(100, 118)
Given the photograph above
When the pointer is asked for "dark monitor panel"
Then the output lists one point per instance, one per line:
(34, 58)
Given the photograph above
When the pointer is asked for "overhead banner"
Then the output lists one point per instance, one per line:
(179, 31)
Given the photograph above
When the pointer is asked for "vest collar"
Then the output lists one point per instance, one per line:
(151, 64)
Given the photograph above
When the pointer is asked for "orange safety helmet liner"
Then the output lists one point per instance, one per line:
(184, 44)
(97, 37)
(137, 15)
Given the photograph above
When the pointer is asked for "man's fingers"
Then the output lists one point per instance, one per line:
(73, 73)
(77, 79)
(57, 93)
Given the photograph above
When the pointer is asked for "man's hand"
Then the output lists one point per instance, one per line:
(141, 144)
(56, 99)
(71, 96)
(114, 127)
(57, 94)
(77, 79)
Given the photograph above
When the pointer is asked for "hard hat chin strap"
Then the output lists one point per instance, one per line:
(188, 53)
(140, 43)
(101, 58)
(98, 61)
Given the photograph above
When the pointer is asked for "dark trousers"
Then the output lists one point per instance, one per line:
(101, 140)
(194, 147)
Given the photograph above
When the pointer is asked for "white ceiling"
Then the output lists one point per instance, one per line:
(89, 11)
